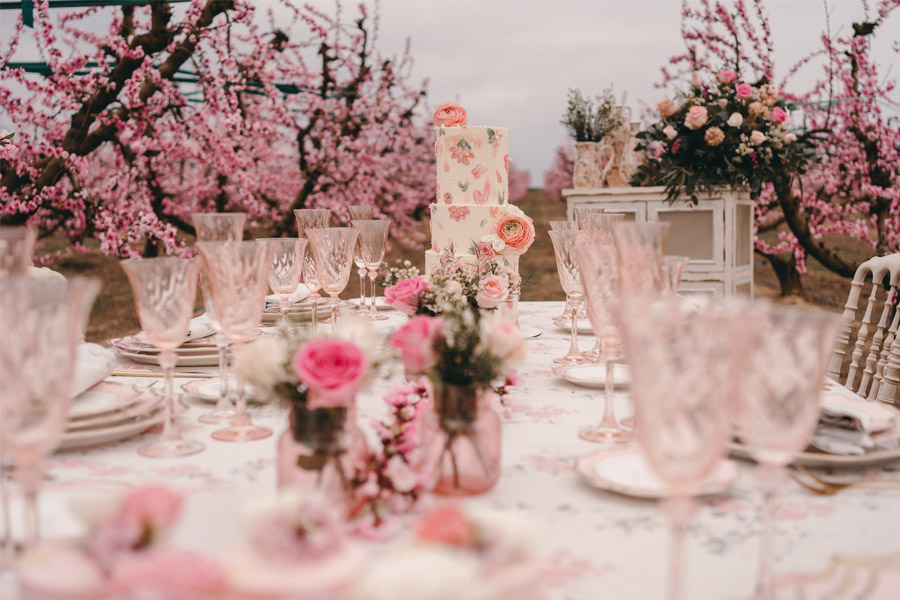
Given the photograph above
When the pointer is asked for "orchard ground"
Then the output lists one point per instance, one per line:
(114, 314)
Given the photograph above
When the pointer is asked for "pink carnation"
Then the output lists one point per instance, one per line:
(415, 340)
(404, 295)
(744, 90)
(332, 369)
(726, 76)
(517, 232)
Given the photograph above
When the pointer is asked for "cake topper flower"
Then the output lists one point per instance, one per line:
(450, 115)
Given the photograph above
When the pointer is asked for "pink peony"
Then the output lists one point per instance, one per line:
(446, 525)
(415, 340)
(517, 232)
(485, 250)
(492, 291)
(404, 295)
(778, 115)
(505, 341)
(169, 575)
(696, 117)
(155, 507)
(726, 76)
(744, 90)
(332, 369)
(666, 108)
(450, 115)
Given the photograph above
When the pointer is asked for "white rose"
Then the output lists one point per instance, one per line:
(403, 478)
(504, 340)
(757, 137)
(670, 132)
(735, 120)
(514, 211)
(262, 361)
(789, 138)
(494, 240)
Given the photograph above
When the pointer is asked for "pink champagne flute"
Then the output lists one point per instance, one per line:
(164, 292)
(641, 248)
(373, 237)
(16, 248)
(311, 218)
(238, 275)
(599, 272)
(286, 271)
(333, 249)
(564, 245)
(218, 227)
(599, 228)
(687, 367)
(52, 319)
(361, 213)
(778, 407)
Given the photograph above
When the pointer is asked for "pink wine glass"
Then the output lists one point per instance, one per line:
(564, 245)
(13, 311)
(599, 272)
(311, 218)
(164, 292)
(218, 227)
(686, 366)
(361, 213)
(778, 407)
(566, 315)
(583, 215)
(286, 271)
(373, 237)
(238, 274)
(673, 267)
(16, 248)
(599, 228)
(641, 247)
(52, 319)
(333, 249)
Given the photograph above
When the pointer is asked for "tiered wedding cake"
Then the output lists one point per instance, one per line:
(472, 219)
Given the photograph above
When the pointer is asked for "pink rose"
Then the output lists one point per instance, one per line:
(446, 525)
(744, 90)
(505, 341)
(696, 80)
(152, 506)
(493, 290)
(415, 340)
(404, 295)
(666, 108)
(169, 575)
(778, 115)
(485, 250)
(696, 117)
(332, 369)
(517, 232)
(450, 115)
(726, 76)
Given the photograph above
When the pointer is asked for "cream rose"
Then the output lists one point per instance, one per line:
(735, 120)
(757, 137)
(670, 132)
(696, 117)
(789, 138)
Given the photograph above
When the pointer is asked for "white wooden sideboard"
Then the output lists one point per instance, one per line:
(716, 234)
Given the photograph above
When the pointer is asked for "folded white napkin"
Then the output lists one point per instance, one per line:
(841, 410)
(199, 328)
(301, 293)
(93, 363)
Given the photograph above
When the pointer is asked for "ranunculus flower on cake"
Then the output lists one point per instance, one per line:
(666, 108)
(415, 340)
(744, 90)
(714, 136)
(517, 233)
(735, 119)
(404, 295)
(696, 117)
(726, 76)
(332, 369)
(450, 115)
(493, 290)
(778, 115)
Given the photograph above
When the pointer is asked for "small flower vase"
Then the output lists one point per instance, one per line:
(322, 449)
(461, 436)
(587, 170)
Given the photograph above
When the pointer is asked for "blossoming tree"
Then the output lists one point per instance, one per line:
(559, 176)
(853, 187)
(125, 133)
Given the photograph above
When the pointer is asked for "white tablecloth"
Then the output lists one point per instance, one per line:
(591, 544)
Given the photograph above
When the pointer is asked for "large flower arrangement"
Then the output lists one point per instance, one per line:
(726, 133)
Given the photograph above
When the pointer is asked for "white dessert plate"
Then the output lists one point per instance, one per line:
(144, 405)
(592, 375)
(105, 397)
(529, 332)
(208, 389)
(191, 360)
(626, 472)
(822, 459)
(103, 435)
(379, 303)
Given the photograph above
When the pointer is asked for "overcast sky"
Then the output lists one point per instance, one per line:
(511, 62)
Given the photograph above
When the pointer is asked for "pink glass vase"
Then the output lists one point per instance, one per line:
(461, 435)
(322, 449)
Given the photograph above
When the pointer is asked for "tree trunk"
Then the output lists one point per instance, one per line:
(785, 268)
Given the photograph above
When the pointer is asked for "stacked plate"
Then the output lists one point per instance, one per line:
(193, 353)
(300, 311)
(110, 411)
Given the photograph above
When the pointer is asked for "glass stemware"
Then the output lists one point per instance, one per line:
(361, 213)
(287, 268)
(599, 228)
(238, 274)
(778, 407)
(566, 316)
(16, 247)
(52, 318)
(641, 247)
(563, 225)
(219, 227)
(333, 249)
(582, 215)
(599, 272)
(164, 292)
(673, 266)
(564, 245)
(373, 237)
(311, 218)
(686, 367)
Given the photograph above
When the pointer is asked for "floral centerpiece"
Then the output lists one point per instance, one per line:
(464, 357)
(726, 133)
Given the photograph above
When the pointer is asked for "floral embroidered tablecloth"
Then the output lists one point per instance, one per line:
(591, 544)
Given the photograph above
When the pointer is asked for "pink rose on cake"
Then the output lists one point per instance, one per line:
(450, 115)
(516, 230)
(332, 369)
(485, 250)
(404, 295)
(493, 291)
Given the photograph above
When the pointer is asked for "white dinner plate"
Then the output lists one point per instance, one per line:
(105, 397)
(626, 472)
(190, 360)
(103, 435)
(208, 389)
(822, 459)
(144, 405)
(592, 375)
(529, 332)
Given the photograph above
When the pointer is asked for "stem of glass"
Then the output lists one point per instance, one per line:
(167, 360)
(362, 288)
(314, 301)
(372, 275)
(769, 479)
(241, 417)
(609, 418)
(6, 543)
(284, 305)
(335, 302)
(679, 510)
(573, 344)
